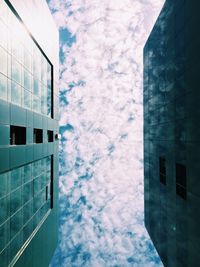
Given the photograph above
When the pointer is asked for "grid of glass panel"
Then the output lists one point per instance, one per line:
(25, 73)
(25, 198)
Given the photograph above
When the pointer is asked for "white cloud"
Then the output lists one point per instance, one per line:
(101, 186)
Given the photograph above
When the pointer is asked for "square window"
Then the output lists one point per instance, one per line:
(38, 136)
(50, 136)
(17, 135)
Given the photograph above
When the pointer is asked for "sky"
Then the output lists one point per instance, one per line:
(101, 218)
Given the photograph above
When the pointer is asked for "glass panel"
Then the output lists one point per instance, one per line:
(27, 173)
(17, 49)
(27, 99)
(27, 211)
(20, 213)
(16, 179)
(16, 71)
(36, 104)
(27, 80)
(36, 185)
(4, 257)
(4, 209)
(3, 61)
(15, 223)
(27, 230)
(4, 35)
(17, 242)
(27, 192)
(15, 93)
(3, 87)
(27, 60)
(26, 65)
(4, 234)
(3, 184)
(15, 201)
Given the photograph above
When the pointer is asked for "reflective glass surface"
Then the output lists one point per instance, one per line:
(23, 65)
(24, 200)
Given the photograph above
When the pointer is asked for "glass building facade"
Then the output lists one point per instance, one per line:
(28, 134)
(171, 134)
(25, 72)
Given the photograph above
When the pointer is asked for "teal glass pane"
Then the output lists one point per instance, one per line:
(43, 165)
(49, 89)
(15, 223)
(43, 180)
(4, 257)
(4, 184)
(16, 243)
(36, 85)
(15, 200)
(16, 93)
(27, 99)
(15, 178)
(27, 173)
(36, 219)
(27, 60)
(44, 100)
(27, 230)
(3, 87)
(4, 234)
(27, 81)
(3, 61)
(37, 168)
(37, 63)
(4, 209)
(16, 70)
(36, 104)
(27, 192)
(38, 201)
(37, 185)
(27, 211)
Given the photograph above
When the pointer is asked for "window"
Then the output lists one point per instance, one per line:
(24, 65)
(162, 163)
(17, 135)
(181, 182)
(50, 136)
(37, 136)
(24, 201)
(56, 136)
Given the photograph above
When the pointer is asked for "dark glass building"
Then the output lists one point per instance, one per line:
(28, 134)
(171, 134)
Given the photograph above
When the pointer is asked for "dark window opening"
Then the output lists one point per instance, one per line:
(46, 192)
(50, 136)
(51, 184)
(181, 182)
(38, 136)
(17, 135)
(56, 136)
(162, 166)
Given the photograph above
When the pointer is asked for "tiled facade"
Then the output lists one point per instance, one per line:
(28, 134)
(171, 134)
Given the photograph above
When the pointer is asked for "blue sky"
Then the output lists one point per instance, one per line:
(101, 150)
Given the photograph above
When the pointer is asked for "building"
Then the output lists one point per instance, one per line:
(29, 52)
(171, 134)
